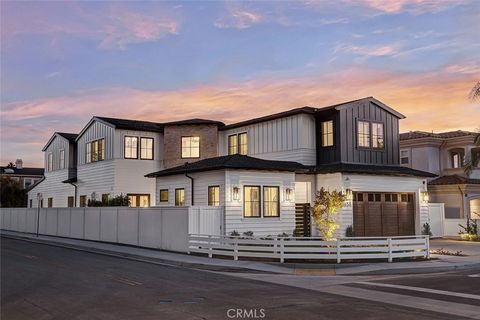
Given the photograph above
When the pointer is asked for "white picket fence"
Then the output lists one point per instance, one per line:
(311, 248)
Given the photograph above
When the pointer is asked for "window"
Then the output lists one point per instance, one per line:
(232, 144)
(251, 201)
(391, 197)
(138, 200)
(374, 197)
(30, 203)
(88, 153)
(214, 196)
(50, 202)
(456, 158)
(404, 158)
(164, 195)
(363, 134)
(243, 143)
(179, 197)
(146, 148)
(327, 133)
(70, 202)
(271, 202)
(377, 135)
(50, 161)
(475, 154)
(95, 151)
(27, 182)
(105, 197)
(406, 197)
(83, 201)
(358, 197)
(190, 147)
(62, 159)
(130, 147)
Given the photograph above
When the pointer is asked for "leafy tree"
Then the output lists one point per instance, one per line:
(324, 210)
(473, 160)
(12, 193)
(475, 92)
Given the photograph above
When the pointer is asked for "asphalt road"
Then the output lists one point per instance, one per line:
(46, 282)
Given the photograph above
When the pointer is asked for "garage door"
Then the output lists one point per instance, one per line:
(383, 214)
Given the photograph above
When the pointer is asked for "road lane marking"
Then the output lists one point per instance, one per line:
(442, 292)
(474, 275)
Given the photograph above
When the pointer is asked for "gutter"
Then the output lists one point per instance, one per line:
(191, 188)
(75, 198)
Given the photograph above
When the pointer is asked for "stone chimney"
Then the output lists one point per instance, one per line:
(19, 163)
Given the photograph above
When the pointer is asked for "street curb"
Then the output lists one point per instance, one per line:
(418, 270)
(133, 257)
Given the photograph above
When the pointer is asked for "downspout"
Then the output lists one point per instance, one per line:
(462, 195)
(191, 188)
(75, 199)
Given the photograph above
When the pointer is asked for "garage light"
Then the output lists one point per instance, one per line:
(349, 194)
(425, 197)
(288, 194)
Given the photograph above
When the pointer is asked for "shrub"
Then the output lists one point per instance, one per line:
(426, 231)
(118, 201)
(234, 233)
(470, 231)
(94, 203)
(248, 233)
(283, 235)
(327, 204)
(349, 231)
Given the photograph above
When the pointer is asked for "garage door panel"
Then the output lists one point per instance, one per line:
(406, 222)
(373, 215)
(358, 219)
(390, 219)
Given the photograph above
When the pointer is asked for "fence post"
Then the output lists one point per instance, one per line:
(281, 250)
(235, 249)
(427, 245)
(210, 255)
(338, 251)
(389, 249)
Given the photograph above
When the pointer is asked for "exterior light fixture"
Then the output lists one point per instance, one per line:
(425, 197)
(236, 193)
(349, 194)
(288, 194)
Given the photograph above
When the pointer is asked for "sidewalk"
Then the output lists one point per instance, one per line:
(439, 263)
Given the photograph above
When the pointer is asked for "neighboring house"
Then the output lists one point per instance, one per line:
(26, 176)
(261, 173)
(444, 154)
(267, 170)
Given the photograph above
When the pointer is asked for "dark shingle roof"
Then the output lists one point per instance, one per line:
(441, 135)
(25, 171)
(236, 161)
(195, 121)
(453, 179)
(133, 124)
(371, 169)
(69, 136)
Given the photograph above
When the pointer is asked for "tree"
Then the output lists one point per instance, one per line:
(473, 160)
(475, 92)
(12, 193)
(324, 210)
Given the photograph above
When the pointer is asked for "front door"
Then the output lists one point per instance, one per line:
(302, 219)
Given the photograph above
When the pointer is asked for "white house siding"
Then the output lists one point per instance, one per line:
(58, 143)
(52, 187)
(234, 219)
(202, 180)
(290, 139)
(96, 177)
(374, 183)
(97, 130)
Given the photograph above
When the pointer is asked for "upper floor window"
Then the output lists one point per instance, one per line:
(238, 143)
(50, 161)
(146, 148)
(62, 159)
(456, 158)
(363, 136)
(404, 157)
(95, 151)
(327, 133)
(190, 147)
(214, 196)
(130, 146)
(378, 140)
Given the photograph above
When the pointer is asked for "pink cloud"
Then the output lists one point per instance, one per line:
(236, 17)
(368, 51)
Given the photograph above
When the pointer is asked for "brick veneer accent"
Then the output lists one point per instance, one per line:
(173, 142)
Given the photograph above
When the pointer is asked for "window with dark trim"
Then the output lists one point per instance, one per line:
(214, 196)
(363, 134)
(138, 200)
(404, 157)
(457, 158)
(374, 197)
(146, 148)
(232, 144)
(50, 202)
(251, 201)
(70, 202)
(179, 197)
(243, 143)
(358, 197)
(378, 139)
(327, 133)
(95, 151)
(271, 202)
(62, 159)
(190, 147)
(163, 195)
(83, 201)
(50, 161)
(130, 147)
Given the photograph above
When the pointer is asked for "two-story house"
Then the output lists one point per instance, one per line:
(445, 154)
(266, 171)
(26, 176)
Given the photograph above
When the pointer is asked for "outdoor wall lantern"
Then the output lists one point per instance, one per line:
(236, 193)
(425, 197)
(288, 194)
(349, 194)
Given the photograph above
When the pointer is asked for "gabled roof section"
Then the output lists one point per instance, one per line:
(35, 184)
(69, 136)
(377, 102)
(371, 169)
(236, 161)
(453, 179)
(126, 124)
(195, 121)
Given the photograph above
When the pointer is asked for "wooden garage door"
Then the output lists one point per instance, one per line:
(383, 214)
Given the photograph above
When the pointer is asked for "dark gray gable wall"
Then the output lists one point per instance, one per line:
(345, 141)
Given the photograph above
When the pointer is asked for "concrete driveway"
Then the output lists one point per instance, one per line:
(469, 248)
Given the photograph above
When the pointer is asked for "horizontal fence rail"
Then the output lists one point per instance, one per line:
(310, 248)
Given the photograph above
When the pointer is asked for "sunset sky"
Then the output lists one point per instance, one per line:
(64, 62)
